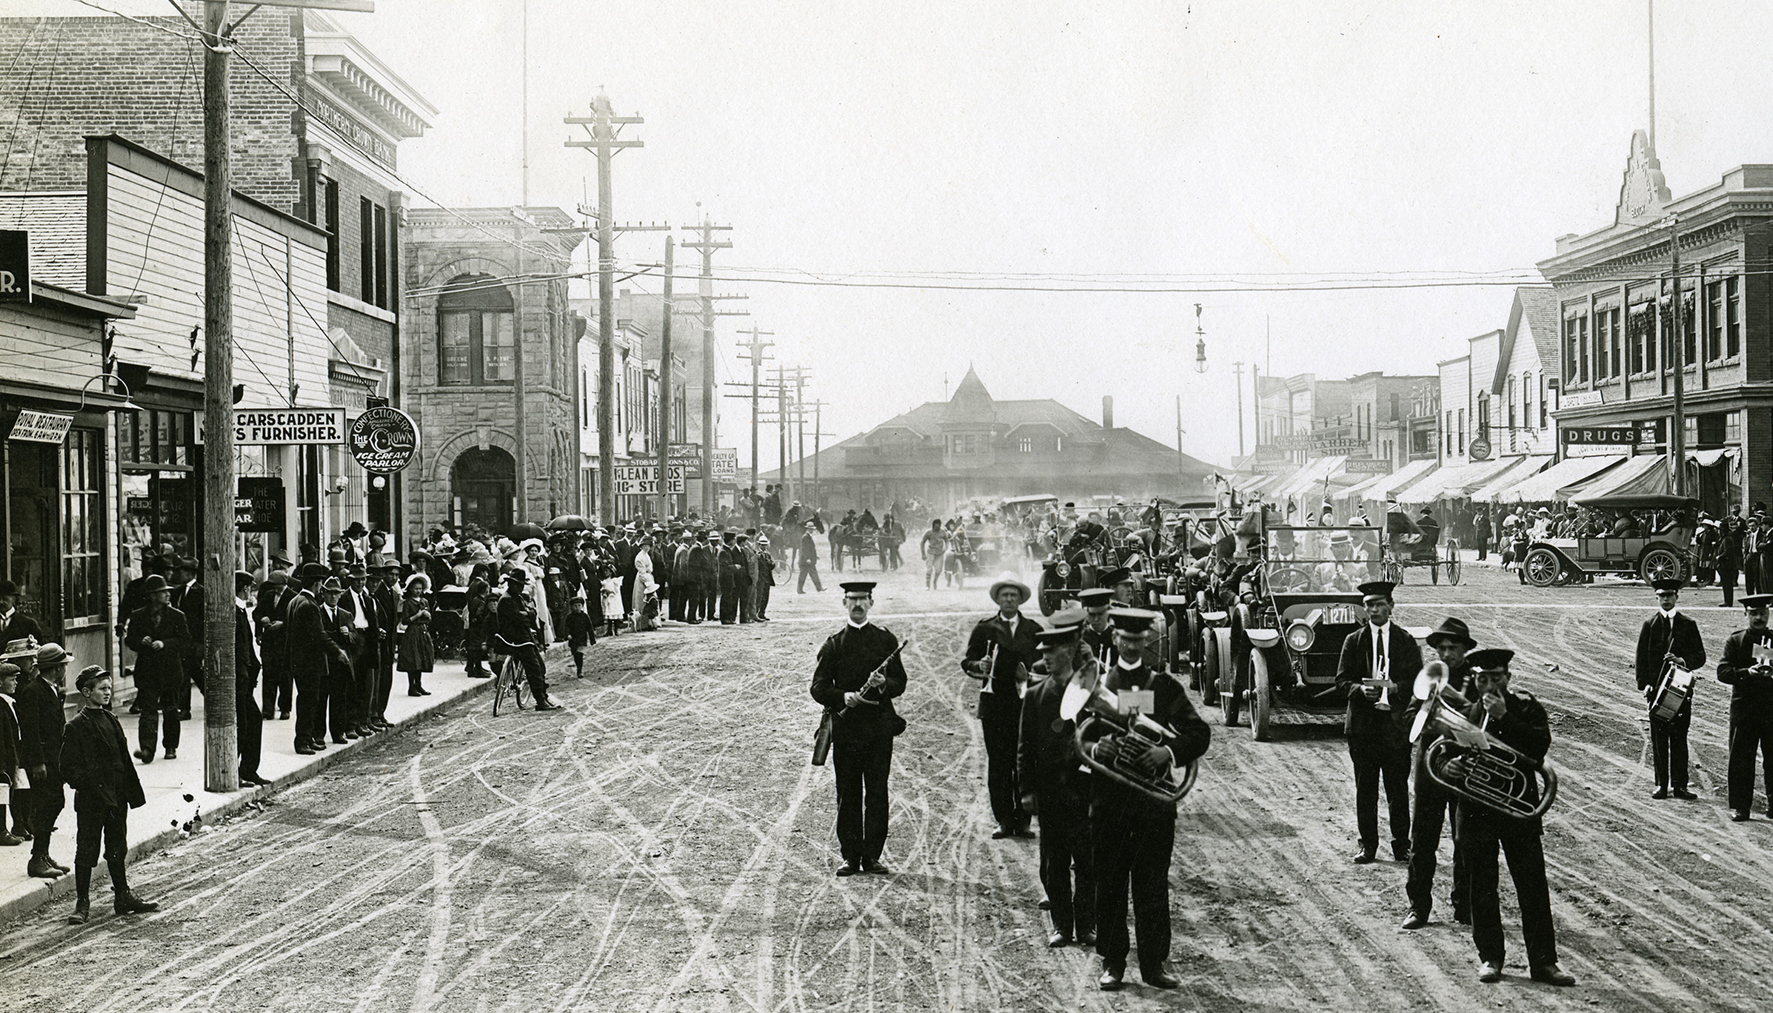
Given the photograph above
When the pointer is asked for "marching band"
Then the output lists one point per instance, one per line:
(1089, 738)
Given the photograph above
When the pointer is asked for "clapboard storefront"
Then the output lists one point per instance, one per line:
(58, 489)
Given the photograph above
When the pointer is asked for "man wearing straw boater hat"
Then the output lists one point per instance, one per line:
(1377, 671)
(1001, 652)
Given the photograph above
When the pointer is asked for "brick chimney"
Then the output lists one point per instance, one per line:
(1107, 411)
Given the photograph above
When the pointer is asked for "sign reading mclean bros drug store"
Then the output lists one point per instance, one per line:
(277, 426)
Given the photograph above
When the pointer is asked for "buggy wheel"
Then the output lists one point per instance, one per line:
(1051, 587)
(1453, 571)
(1261, 690)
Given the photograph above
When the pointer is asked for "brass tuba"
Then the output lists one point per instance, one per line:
(1088, 706)
(1498, 776)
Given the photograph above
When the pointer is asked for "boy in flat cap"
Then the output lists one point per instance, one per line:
(1132, 833)
(41, 720)
(863, 725)
(1377, 671)
(1668, 634)
(1747, 667)
(95, 763)
(1520, 722)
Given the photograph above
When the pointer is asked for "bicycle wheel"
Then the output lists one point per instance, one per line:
(519, 686)
(501, 684)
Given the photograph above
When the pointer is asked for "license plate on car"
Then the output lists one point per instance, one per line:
(1341, 615)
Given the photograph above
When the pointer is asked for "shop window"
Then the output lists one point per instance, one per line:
(1711, 429)
(82, 523)
(156, 437)
(476, 343)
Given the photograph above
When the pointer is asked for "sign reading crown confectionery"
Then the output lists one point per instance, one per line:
(383, 440)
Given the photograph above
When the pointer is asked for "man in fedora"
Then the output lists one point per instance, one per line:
(41, 720)
(1434, 804)
(188, 598)
(1001, 652)
(312, 653)
(1668, 634)
(158, 635)
(1377, 671)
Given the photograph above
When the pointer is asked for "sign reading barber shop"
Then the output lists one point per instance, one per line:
(383, 440)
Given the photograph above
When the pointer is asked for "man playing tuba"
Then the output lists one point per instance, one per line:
(1518, 721)
(1133, 833)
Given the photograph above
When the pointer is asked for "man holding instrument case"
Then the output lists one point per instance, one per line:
(1668, 634)
(857, 676)
(1377, 670)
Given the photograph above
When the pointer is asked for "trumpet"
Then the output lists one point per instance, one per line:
(1088, 706)
(1497, 776)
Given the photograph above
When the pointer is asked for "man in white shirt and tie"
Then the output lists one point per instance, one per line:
(1378, 671)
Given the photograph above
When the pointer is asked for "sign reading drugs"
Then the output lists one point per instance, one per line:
(383, 440)
(1627, 435)
(257, 427)
(643, 480)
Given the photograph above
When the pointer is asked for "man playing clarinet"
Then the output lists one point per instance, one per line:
(857, 676)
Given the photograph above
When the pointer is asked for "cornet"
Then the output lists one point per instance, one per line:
(1497, 776)
(1088, 706)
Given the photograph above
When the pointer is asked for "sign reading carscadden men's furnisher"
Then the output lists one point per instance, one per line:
(271, 426)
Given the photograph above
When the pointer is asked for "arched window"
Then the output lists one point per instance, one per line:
(476, 339)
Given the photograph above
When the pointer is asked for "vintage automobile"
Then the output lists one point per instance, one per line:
(1650, 555)
(1281, 646)
(1070, 568)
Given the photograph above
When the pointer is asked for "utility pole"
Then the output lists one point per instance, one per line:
(221, 752)
(603, 125)
(706, 246)
(1237, 368)
(665, 386)
(782, 431)
(519, 413)
(753, 351)
(800, 379)
(1178, 437)
(818, 432)
(1677, 344)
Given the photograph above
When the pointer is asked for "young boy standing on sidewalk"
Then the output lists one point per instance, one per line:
(95, 763)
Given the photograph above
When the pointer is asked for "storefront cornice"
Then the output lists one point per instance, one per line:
(1619, 246)
(1662, 404)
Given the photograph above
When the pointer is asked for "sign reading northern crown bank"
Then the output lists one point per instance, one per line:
(274, 426)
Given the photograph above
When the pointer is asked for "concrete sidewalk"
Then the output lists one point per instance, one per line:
(175, 787)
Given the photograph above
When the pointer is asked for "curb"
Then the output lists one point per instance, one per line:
(45, 890)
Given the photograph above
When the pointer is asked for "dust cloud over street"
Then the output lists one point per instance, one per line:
(664, 845)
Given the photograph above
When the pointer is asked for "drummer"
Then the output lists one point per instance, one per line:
(1668, 634)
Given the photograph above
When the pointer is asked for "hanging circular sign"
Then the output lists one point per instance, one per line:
(1480, 449)
(383, 440)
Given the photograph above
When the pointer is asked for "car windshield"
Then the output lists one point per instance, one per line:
(1337, 559)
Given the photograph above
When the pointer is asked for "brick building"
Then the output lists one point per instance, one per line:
(315, 121)
(1619, 344)
(490, 371)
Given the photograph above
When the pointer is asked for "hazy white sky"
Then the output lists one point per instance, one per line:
(1088, 138)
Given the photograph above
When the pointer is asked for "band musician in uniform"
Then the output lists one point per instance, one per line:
(1667, 633)
(1001, 652)
(1378, 671)
(1132, 832)
(1055, 787)
(1434, 805)
(1747, 667)
(857, 676)
(1520, 722)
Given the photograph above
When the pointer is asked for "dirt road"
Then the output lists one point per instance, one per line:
(663, 845)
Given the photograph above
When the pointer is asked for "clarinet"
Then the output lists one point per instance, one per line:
(876, 678)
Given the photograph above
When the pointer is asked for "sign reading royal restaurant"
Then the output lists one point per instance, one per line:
(281, 426)
(41, 427)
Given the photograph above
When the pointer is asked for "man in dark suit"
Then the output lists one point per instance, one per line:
(386, 594)
(14, 624)
(270, 618)
(41, 720)
(735, 578)
(1668, 633)
(1133, 834)
(158, 633)
(809, 560)
(250, 726)
(187, 597)
(363, 622)
(1055, 789)
(863, 724)
(1747, 667)
(1377, 671)
(1009, 637)
(312, 652)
